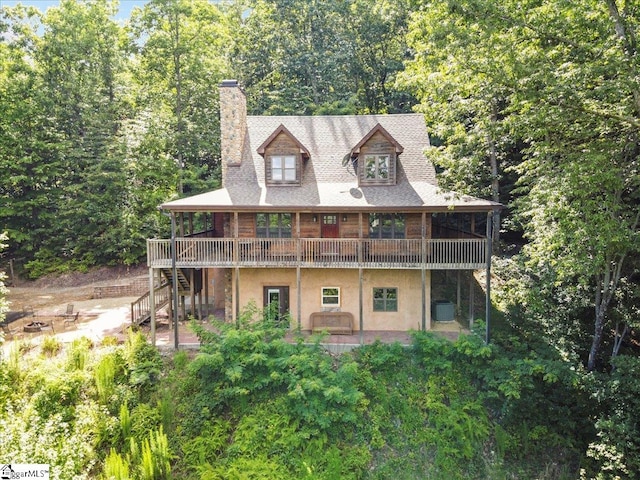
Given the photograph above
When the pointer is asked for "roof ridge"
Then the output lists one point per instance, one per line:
(368, 115)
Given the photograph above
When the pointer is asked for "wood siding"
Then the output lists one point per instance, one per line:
(348, 222)
(282, 145)
(378, 144)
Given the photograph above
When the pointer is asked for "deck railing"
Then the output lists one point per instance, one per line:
(141, 308)
(319, 253)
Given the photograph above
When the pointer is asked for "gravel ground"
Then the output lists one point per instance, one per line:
(49, 297)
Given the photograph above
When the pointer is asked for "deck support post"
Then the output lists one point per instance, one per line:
(488, 279)
(423, 271)
(299, 297)
(205, 281)
(152, 304)
(472, 298)
(174, 282)
(237, 296)
(458, 294)
(298, 273)
(360, 309)
(192, 292)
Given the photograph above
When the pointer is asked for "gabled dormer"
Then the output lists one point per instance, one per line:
(377, 157)
(283, 158)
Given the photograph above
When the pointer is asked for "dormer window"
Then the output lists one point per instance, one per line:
(283, 158)
(377, 155)
(376, 167)
(283, 168)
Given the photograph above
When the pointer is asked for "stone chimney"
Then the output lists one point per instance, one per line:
(233, 125)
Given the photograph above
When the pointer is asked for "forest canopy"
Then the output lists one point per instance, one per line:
(532, 104)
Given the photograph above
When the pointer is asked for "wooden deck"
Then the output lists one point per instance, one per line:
(432, 254)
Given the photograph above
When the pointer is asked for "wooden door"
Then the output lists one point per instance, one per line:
(330, 227)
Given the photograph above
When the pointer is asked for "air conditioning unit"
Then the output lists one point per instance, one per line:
(443, 311)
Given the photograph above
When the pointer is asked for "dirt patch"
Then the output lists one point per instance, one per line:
(96, 276)
(54, 292)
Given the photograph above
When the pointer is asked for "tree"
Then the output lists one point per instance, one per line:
(463, 74)
(567, 73)
(29, 152)
(378, 31)
(323, 57)
(183, 56)
(81, 57)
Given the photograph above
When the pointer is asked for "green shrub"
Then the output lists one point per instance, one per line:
(207, 447)
(79, 353)
(143, 362)
(105, 377)
(51, 346)
(615, 452)
(115, 467)
(155, 460)
(144, 418)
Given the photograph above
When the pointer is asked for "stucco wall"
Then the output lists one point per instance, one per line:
(408, 283)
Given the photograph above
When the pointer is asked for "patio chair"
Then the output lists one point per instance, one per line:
(9, 334)
(70, 316)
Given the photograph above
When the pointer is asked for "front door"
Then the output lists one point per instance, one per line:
(277, 298)
(330, 227)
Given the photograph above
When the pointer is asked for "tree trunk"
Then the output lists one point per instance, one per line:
(605, 288)
(619, 337)
(597, 335)
(495, 178)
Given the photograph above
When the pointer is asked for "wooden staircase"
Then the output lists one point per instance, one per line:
(141, 309)
(184, 284)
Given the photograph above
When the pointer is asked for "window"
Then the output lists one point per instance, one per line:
(283, 168)
(385, 299)
(376, 167)
(273, 225)
(386, 225)
(330, 296)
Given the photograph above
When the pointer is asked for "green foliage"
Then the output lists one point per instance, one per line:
(115, 467)
(250, 402)
(543, 93)
(155, 457)
(51, 346)
(79, 353)
(4, 305)
(206, 448)
(315, 57)
(253, 361)
(143, 362)
(105, 374)
(615, 452)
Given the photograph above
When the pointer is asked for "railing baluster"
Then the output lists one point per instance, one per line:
(336, 253)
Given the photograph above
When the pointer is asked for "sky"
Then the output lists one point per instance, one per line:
(124, 13)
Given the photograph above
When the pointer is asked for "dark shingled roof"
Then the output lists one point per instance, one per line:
(326, 183)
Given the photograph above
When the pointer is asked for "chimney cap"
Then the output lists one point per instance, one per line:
(229, 83)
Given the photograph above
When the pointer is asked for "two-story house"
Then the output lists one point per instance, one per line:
(334, 214)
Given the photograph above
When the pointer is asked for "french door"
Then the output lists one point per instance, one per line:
(277, 297)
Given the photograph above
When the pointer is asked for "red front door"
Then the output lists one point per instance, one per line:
(330, 228)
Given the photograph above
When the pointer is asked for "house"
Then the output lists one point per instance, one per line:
(338, 220)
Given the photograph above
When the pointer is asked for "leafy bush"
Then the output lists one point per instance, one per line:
(615, 453)
(51, 346)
